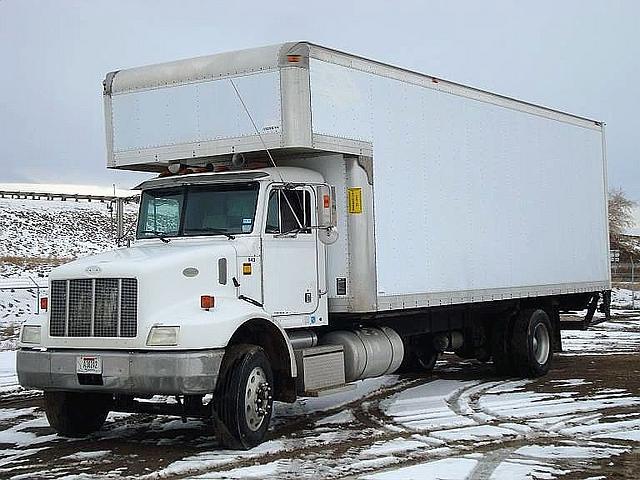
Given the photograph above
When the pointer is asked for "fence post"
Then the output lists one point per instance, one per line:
(633, 285)
(120, 219)
(37, 294)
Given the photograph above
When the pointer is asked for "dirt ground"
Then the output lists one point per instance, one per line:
(580, 421)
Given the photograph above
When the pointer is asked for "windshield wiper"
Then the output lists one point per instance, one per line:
(160, 235)
(220, 231)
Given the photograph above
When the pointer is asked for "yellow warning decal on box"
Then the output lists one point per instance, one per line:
(354, 200)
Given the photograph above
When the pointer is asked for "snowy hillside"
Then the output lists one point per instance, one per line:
(38, 234)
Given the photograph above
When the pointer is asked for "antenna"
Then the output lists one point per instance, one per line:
(264, 144)
(255, 127)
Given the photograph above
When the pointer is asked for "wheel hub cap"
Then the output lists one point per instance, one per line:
(541, 343)
(257, 399)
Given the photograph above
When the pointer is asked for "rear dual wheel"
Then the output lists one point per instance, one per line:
(522, 344)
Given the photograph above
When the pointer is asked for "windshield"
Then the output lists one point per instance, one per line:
(223, 209)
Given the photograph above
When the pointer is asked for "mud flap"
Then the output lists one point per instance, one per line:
(591, 310)
(605, 306)
(556, 325)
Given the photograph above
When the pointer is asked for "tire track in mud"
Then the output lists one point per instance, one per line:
(354, 439)
(466, 402)
(378, 428)
(140, 429)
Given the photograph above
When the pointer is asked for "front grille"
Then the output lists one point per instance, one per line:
(100, 307)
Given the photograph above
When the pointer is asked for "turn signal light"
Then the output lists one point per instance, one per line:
(44, 303)
(207, 302)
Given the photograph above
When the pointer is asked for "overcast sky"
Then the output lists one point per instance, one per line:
(580, 56)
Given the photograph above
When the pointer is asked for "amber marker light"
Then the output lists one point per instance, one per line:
(207, 302)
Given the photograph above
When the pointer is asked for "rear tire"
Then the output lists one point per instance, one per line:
(243, 397)
(532, 343)
(76, 414)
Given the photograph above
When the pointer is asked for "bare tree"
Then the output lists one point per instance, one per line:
(620, 218)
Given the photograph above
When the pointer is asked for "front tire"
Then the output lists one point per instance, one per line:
(76, 414)
(243, 398)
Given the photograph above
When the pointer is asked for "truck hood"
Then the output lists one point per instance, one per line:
(149, 258)
(170, 279)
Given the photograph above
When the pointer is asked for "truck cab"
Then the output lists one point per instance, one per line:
(219, 259)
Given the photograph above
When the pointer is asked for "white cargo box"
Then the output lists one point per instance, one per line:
(468, 196)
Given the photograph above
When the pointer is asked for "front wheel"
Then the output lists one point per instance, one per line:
(243, 398)
(76, 414)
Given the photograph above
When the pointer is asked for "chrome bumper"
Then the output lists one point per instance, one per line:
(165, 373)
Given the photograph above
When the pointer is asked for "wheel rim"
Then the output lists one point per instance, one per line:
(257, 399)
(541, 343)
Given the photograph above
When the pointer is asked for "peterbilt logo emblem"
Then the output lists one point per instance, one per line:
(92, 270)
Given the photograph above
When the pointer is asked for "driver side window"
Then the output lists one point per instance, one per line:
(288, 210)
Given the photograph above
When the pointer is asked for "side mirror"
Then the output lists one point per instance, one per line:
(326, 196)
(327, 214)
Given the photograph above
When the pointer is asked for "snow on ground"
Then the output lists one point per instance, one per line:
(462, 423)
(446, 469)
(8, 377)
(623, 298)
(600, 339)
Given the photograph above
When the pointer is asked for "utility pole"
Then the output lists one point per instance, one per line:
(119, 219)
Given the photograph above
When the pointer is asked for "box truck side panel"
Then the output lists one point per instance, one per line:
(174, 122)
(473, 200)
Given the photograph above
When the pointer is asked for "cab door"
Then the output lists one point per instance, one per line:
(290, 252)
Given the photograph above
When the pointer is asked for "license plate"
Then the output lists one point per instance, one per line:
(89, 364)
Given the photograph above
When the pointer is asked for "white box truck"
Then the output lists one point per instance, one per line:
(319, 218)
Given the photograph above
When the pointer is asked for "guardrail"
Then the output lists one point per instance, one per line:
(34, 195)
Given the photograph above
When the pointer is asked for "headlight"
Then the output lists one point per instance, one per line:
(163, 336)
(31, 334)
